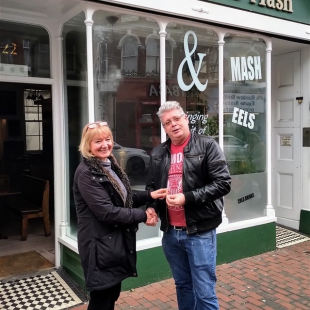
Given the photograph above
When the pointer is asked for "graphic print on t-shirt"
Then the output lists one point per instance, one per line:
(176, 213)
(175, 177)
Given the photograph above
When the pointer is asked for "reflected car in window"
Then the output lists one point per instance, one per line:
(133, 161)
(234, 148)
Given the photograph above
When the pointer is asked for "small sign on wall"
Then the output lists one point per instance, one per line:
(286, 141)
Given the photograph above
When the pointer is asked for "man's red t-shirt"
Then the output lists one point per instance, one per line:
(176, 214)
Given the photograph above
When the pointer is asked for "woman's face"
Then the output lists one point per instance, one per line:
(101, 147)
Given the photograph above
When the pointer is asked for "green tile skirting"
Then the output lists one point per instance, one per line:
(304, 224)
(153, 267)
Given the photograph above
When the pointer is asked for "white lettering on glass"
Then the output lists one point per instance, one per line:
(190, 65)
(245, 68)
(243, 118)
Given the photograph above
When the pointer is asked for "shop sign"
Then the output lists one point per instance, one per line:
(253, 103)
(276, 5)
(245, 68)
(281, 5)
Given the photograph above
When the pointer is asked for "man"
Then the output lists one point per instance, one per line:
(194, 170)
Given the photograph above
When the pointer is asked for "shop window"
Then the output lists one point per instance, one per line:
(124, 96)
(245, 126)
(24, 50)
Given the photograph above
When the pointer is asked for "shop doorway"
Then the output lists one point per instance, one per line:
(26, 148)
(286, 139)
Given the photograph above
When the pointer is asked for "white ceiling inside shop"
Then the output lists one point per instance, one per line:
(38, 9)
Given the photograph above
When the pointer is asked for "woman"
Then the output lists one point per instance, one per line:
(107, 222)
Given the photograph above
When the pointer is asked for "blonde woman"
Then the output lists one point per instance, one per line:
(107, 217)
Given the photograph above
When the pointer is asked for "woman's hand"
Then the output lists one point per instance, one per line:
(152, 218)
(159, 194)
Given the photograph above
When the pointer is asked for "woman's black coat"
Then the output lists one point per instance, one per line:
(107, 224)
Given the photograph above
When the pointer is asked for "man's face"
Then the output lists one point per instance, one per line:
(176, 126)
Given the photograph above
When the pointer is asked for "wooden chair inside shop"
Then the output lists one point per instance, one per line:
(33, 202)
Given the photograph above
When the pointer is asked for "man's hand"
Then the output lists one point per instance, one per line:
(159, 194)
(152, 217)
(175, 200)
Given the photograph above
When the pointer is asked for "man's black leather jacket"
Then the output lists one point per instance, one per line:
(206, 179)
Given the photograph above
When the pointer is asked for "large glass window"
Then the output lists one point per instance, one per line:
(24, 50)
(75, 64)
(124, 91)
(245, 126)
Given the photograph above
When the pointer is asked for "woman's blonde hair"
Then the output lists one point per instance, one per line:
(88, 134)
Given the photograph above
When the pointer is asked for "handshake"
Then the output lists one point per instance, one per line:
(151, 215)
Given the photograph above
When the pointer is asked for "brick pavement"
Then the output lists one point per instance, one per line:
(275, 280)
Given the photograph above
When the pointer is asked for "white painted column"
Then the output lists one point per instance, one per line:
(60, 168)
(269, 211)
(221, 43)
(90, 68)
(163, 92)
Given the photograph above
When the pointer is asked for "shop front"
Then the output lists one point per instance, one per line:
(116, 61)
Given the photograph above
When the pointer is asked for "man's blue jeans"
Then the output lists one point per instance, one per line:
(192, 259)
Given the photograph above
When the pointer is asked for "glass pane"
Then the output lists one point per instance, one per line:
(31, 116)
(129, 64)
(32, 128)
(196, 90)
(74, 34)
(26, 50)
(152, 47)
(245, 126)
(127, 100)
(33, 143)
(130, 47)
(152, 65)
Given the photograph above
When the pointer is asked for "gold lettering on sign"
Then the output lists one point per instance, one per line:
(10, 49)
(281, 5)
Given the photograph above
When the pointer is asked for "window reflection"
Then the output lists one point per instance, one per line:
(126, 86)
(130, 56)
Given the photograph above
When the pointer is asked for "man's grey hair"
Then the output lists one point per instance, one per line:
(168, 106)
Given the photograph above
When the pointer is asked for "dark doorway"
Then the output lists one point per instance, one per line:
(26, 147)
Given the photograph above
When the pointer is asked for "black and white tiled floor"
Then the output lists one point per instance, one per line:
(40, 292)
(286, 237)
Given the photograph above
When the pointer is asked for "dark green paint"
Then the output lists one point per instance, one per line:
(70, 262)
(153, 267)
(245, 242)
(304, 224)
(300, 14)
